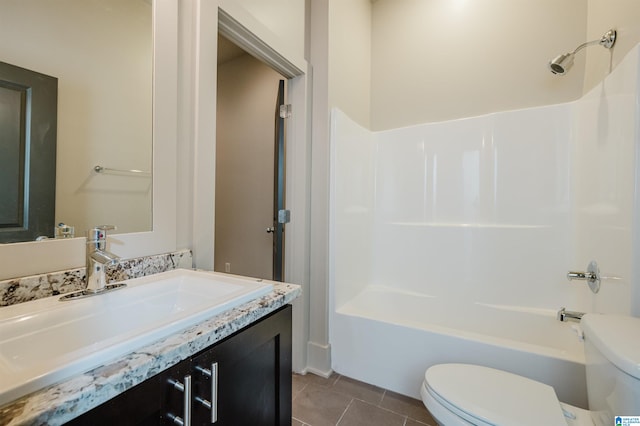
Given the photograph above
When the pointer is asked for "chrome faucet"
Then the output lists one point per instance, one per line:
(564, 315)
(98, 258)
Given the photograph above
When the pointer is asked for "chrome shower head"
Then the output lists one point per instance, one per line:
(562, 63)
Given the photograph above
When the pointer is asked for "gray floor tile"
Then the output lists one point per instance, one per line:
(413, 408)
(317, 380)
(359, 390)
(411, 422)
(360, 413)
(319, 401)
(319, 406)
(298, 383)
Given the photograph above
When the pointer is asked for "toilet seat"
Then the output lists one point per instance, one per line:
(445, 415)
(485, 396)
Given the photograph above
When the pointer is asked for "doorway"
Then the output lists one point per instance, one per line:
(249, 166)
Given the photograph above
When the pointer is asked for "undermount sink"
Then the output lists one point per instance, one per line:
(45, 341)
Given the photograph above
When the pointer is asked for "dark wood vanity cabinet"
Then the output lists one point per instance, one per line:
(243, 380)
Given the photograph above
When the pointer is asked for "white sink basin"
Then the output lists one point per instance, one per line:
(47, 340)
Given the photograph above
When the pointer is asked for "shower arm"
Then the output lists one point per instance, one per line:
(607, 41)
(583, 45)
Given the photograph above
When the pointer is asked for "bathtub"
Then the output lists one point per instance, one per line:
(389, 338)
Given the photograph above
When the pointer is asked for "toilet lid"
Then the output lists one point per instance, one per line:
(617, 337)
(485, 395)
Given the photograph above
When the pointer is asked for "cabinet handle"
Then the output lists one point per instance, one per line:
(204, 402)
(213, 404)
(186, 399)
(214, 392)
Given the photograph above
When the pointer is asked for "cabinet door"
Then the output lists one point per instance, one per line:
(247, 377)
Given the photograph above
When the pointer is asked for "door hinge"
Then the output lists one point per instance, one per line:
(284, 216)
(285, 111)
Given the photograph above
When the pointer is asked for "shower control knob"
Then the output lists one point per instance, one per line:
(591, 276)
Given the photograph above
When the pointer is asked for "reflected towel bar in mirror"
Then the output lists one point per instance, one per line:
(102, 169)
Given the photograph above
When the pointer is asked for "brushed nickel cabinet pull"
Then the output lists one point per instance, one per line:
(186, 400)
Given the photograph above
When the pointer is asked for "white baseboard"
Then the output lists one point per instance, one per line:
(319, 359)
(325, 374)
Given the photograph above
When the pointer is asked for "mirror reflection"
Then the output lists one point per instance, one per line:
(100, 52)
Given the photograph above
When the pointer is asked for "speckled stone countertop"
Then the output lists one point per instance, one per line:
(59, 403)
(26, 289)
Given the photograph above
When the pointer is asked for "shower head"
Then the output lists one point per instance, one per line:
(562, 63)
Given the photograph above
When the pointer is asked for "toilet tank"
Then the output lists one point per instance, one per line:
(612, 355)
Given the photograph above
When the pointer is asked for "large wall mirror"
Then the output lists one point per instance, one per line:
(116, 66)
(101, 53)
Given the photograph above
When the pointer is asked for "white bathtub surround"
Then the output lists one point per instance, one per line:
(604, 180)
(433, 226)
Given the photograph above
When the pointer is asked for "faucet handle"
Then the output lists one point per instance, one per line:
(592, 276)
(99, 233)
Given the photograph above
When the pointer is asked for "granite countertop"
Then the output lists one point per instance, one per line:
(59, 403)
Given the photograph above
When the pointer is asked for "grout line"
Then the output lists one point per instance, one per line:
(338, 377)
(384, 408)
(345, 411)
(384, 393)
(293, 397)
(418, 421)
(297, 419)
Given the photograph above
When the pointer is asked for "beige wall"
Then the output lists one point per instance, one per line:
(350, 58)
(435, 60)
(247, 93)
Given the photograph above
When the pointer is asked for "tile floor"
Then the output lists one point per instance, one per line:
(342, 401)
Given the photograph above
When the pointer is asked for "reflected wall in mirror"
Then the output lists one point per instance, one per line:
(101, 53)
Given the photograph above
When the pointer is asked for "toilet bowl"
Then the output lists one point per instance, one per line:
(465, 394)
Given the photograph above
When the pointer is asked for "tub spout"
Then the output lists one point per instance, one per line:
(564, 315)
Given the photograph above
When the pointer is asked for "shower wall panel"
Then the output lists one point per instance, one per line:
(495, 208)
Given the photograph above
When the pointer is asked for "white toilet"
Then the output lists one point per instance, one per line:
(464, 394)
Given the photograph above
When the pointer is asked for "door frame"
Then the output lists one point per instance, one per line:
(297, 187)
